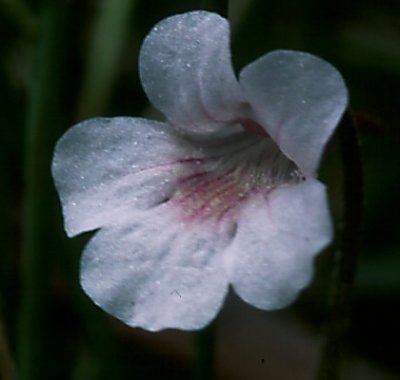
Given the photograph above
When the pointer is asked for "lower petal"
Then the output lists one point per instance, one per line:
(155, 274)
(270, 259)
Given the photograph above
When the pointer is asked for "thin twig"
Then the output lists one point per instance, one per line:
(333, 349)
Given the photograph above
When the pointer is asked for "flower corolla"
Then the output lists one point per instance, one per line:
(224, 192)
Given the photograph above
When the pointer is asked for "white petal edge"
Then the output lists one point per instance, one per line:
(186, 71)
(271, 257)
(154, 274)
(299, 99)
(106, 169)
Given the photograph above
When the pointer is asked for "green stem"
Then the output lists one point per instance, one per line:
(43, 116)
(332, 352)
(103, 61)
(204, 353)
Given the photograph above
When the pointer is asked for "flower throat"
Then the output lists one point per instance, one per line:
(218, 184)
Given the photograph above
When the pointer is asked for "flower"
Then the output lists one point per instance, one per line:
(222, 193)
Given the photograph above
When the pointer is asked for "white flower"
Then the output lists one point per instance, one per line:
(223, 192)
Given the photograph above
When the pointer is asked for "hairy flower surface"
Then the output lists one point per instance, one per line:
(223, 192)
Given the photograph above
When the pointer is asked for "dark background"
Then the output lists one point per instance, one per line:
(361, 38)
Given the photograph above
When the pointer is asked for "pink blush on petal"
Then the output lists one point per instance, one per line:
(253, 127)
(206, 196)
(215, 187)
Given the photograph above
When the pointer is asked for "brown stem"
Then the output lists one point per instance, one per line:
(333, 349)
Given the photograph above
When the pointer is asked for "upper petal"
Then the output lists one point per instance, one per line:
(155, 273)
(270, 259)
(186, 71)
(299, 99)
(105, 169)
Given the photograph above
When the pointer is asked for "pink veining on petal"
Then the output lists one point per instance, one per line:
(204, 196)
(217, 186)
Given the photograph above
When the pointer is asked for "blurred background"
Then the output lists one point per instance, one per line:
(67, 60)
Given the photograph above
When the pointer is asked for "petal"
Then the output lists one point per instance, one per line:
(270, 259)
(299, 99)
(105, 169)
(156, 273)
(186, 71)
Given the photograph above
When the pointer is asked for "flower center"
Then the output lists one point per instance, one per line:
(227, 175)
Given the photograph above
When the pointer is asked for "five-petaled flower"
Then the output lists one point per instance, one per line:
(223, 192)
